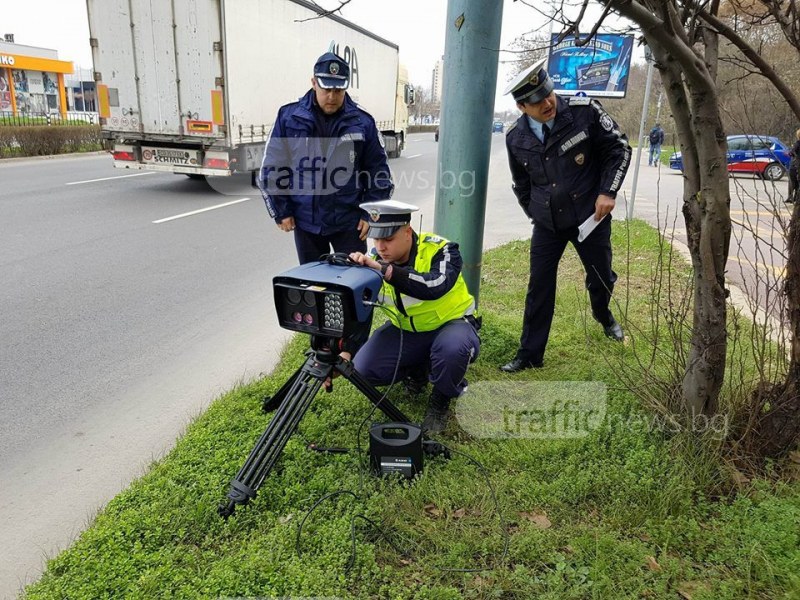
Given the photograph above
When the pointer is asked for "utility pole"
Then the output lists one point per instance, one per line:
(465, 130)
(649, 58)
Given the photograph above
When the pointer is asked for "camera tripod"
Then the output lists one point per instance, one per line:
(292, 401)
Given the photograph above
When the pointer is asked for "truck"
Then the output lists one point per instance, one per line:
(194, 86)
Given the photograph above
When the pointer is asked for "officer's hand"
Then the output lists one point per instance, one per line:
(363, 228)
(328, 383)
(287, 224)
(365, 260)
(602, 206)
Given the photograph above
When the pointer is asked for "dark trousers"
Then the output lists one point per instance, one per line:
(793, 181)
(547, 248)
(310, 246)
(447, 352)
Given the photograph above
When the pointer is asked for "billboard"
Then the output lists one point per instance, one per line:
(599, 69)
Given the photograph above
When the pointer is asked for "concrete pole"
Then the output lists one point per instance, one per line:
(465, 129)
(641, 137)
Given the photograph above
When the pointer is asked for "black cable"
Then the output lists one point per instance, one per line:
(506, 537)
(375, 406)
(311, 510)
(481, 469)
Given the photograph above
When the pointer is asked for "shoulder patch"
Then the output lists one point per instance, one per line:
(433, 239)
(597, 105)
(579, 100)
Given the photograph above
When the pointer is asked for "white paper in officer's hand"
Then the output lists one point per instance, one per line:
(587, 227)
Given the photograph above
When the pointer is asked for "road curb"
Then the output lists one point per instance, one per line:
(51, 156)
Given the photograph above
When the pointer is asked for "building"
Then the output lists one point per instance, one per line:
(31, 80)
(81, 92)
(436, 83)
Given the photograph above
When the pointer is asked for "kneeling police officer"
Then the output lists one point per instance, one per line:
(432, 326)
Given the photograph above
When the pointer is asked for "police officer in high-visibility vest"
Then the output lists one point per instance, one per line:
(432, 324)
(568, 159)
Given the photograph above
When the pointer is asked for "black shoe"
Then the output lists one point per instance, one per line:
(436, 416)
(520, 364)
(614, 331)
(416, 382)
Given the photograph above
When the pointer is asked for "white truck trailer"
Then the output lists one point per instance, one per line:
(194, 86)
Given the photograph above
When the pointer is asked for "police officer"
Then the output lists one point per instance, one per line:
(568, 159)
(431, 323)
(794, 169)
(324, 157)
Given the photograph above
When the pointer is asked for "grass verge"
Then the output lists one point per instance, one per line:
(621, 512)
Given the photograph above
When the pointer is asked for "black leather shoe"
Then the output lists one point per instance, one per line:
(520, 364)
(614, 331)
(436, 416)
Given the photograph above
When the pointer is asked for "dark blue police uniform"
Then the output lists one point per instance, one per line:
(557, 184)
(318, 168)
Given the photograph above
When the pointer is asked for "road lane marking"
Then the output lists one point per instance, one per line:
(412, 156)
(109, 178)
(779, 272)
(202, 210)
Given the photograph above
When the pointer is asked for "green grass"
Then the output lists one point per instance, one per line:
(629, 506)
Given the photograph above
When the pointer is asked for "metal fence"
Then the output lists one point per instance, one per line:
(72, 118)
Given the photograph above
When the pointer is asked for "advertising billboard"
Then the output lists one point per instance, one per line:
(599, 69)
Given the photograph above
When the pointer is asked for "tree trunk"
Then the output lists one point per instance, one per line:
(708, 231)
(779, 427)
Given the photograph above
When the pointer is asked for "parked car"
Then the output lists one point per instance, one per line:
(764, 155)
(497, 127)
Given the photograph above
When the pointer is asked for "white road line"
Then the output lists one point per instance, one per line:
(202, 210)
(413, 156)
(109, 178)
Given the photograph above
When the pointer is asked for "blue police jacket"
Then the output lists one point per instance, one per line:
(585, 155)
(319, 168)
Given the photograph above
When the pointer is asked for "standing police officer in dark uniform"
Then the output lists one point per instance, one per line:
(568, 159)
(324, 157)
(432, 326)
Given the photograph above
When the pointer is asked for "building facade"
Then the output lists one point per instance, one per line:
(436, 81)
(32, 80)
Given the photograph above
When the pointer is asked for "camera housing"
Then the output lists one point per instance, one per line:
(324, 299)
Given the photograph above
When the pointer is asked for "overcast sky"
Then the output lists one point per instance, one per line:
(417, 26)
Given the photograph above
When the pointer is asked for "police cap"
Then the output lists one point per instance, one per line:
(387, 216)
(332, 72)
(532, 85)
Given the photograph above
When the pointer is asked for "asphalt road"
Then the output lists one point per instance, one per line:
(129, 302)
(124, 311)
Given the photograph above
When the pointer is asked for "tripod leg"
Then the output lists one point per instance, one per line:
(270, 403)
(373, 395)
(305, 385)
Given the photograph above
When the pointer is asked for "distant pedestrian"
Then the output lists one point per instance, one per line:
(656, 138)
(794, 168)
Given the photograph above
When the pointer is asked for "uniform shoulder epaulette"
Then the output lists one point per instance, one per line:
(511, 127)
(433, 239)
(579, 100)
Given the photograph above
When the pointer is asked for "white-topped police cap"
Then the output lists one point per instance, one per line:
(332, 72)
(532, 85)
(387, 216)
